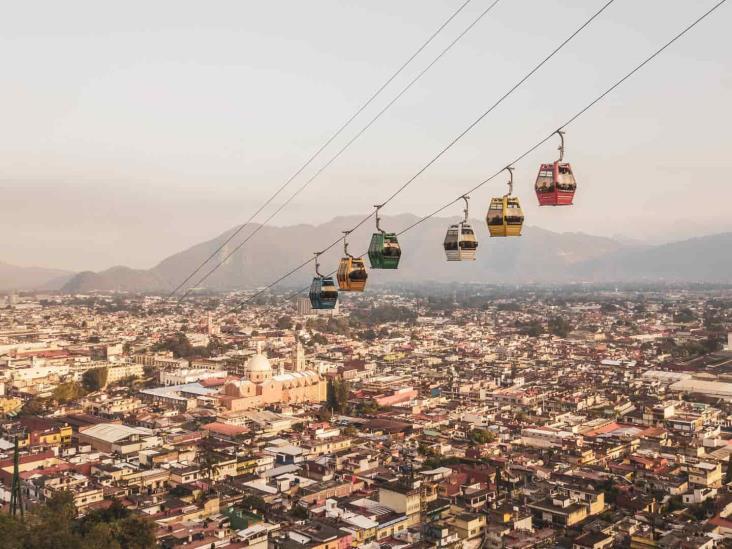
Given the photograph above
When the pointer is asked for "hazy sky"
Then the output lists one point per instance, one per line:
(132, 130)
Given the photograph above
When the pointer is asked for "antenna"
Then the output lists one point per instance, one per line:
(16, 496)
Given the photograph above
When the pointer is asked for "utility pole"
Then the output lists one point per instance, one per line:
(16, 498)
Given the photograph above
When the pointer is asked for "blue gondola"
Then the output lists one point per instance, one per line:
(323, 292)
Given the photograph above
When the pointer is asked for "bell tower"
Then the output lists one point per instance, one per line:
(298, 358)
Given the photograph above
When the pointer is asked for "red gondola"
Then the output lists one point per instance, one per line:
(555, 184)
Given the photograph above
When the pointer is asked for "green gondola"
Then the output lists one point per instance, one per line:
(384, 250)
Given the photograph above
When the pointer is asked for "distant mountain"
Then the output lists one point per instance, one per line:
(13, 277)
(115, 279)
(538, 256)
(702, 259)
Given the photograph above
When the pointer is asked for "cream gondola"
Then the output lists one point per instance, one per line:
(460, 242)
(351, 274)
(323, 292)
(505, 217)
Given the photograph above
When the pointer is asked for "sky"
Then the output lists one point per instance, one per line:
(130, 131)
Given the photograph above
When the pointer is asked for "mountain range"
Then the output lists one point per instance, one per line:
(539, 256)
(13, 277)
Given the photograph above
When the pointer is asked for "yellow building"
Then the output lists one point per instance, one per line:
(401, 499)
(8, 405)
(118, 372)
(469, 525)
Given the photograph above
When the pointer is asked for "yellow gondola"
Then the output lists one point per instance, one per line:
(351, 272)
(505, 216)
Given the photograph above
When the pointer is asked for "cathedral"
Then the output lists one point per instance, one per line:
(261, 386)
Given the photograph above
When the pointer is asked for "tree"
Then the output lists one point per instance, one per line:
(559, 326)
(324, 414)
(216, 346)
(337, 395)
(67, 392)
(533, 328)
(383, 314)
(177, 344)
(684, 315)
(207, 460)
(11, 532)
(481, 436)
(135, 532)
(367, 407)
(318, 339)
(255, 502)
(94, 379)
(33, 407)
(299, 512)
(284, 323)
(115, 526)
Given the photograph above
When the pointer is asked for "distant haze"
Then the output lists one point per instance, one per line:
(131, 131)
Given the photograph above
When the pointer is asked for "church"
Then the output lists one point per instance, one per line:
(261, 386)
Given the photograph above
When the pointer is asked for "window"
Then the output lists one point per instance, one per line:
(495, 217)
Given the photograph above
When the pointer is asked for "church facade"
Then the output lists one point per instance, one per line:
(261, 386)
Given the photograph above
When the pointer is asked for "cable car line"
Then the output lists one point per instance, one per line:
(334, 157)
(324, 145)
(578, 114)
(464, 132)
(535, 146)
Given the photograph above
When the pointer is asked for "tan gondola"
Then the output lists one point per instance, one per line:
(505, 217)
(351, 274)
(460, 242)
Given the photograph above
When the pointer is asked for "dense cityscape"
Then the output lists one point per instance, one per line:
(466, 416)
(366, 275)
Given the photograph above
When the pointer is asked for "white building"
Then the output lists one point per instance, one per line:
(183, 376)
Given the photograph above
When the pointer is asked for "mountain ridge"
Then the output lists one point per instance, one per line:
(15, 277)
(538, 256)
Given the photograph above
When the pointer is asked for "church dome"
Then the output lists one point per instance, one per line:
(258, 363)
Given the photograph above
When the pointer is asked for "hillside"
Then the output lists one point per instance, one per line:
(116, 279)
(703, 259)
(13, 277)
(539, 256)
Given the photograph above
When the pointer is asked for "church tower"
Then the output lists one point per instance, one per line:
(298, 358)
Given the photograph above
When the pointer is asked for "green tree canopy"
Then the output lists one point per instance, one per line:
(94, 379)
(337, 395)
(68, 392)
(481, 436)
(55, 525)
(559, 326)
